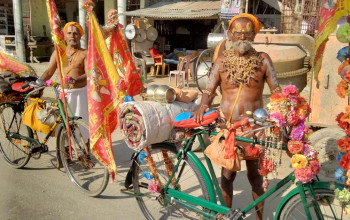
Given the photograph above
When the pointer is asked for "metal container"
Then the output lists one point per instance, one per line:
(150, 92)
(214, 39)
(164, 94)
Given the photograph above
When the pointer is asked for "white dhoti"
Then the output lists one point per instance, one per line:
(78, 102)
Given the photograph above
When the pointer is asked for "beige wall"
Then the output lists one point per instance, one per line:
(40, 18)
(109, 4)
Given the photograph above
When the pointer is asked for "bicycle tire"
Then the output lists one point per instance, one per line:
(151, 205)
(294, 209)
(83, 169)
(15, 155)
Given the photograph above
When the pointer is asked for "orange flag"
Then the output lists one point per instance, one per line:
(56, 31)
(125, 65)
(8, 63)
(103, 95)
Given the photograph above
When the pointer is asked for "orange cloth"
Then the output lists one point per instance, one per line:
(77, 25)
(251, 17)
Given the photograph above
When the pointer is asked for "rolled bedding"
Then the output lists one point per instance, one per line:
(147, 122)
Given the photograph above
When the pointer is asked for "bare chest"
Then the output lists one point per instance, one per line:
(257, 79)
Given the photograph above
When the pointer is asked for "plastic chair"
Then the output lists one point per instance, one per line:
(181, 71)
(161, 65)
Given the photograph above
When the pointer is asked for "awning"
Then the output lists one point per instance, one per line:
(179, 10)
(275, 4)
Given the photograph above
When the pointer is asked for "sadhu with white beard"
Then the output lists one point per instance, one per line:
(239, 63)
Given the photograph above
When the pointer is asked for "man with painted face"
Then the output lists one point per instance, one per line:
(239, 63)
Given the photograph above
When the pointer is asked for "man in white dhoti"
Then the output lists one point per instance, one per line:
(73, 70)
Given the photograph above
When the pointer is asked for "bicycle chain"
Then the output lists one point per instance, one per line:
(233, 214)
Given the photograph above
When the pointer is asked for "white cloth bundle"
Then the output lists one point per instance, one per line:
(147, 122)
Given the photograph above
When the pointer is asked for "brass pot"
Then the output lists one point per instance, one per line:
(164, 94)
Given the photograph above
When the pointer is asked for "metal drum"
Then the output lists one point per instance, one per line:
(164, 94)
(203, 71)
(214, 39)
(150, 91)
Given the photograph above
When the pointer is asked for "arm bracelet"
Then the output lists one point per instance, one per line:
(278, 89)
(207, 92)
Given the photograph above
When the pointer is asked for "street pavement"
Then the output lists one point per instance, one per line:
(39, 191)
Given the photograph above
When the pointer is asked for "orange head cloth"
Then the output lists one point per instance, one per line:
(251, 17)
(77, 25)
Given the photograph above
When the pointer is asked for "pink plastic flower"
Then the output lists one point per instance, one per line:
(309, 152)
(291, 90)
(278, 118)
(153, 187)
(298, 132)
(315, 166)
(304, 175)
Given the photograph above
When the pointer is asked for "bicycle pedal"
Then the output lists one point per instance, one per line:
(233, 214)
(39, 149)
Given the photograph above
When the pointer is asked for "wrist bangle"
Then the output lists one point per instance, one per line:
(204, 106)
(207, 92)
(278, 89)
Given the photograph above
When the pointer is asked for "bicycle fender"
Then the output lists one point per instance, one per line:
(204, 174)
(315, 185)
(130, 174)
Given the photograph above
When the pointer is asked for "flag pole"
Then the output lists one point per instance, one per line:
(64, 100)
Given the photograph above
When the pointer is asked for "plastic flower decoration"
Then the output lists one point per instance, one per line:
(288, 109)
(343, 33)
(343, 54)
(304, 174)
(342, 65)
(342, 89)
(344, 144)
(295, 147)
(299, 161)
(342, 195)
(153, 187)
(345, 162)
(345, 74)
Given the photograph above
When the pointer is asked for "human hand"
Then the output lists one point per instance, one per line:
(70, 81)
(198, 114)
(113, 17)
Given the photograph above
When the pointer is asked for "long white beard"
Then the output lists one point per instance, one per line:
(242, 46)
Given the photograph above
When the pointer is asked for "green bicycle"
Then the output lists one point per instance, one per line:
(19, 143)
(201, 197)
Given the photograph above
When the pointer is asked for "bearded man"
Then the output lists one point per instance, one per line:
(74, 69)
(239, 63)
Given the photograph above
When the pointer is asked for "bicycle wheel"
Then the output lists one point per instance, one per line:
(190, 182)
(294, 208)
(83, 168)
(15, 154)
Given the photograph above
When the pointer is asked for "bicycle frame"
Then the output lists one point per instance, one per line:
(59, 120)
(214, 190)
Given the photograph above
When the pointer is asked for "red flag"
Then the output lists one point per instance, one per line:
(124, 63)
(56, 31)
(103, 95)
(60, 49)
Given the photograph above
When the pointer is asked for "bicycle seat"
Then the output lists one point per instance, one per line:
(184, 120)
(18, 87)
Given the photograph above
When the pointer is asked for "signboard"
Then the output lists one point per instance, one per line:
(229, 8)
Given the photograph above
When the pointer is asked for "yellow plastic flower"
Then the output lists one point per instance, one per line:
(299, 161)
